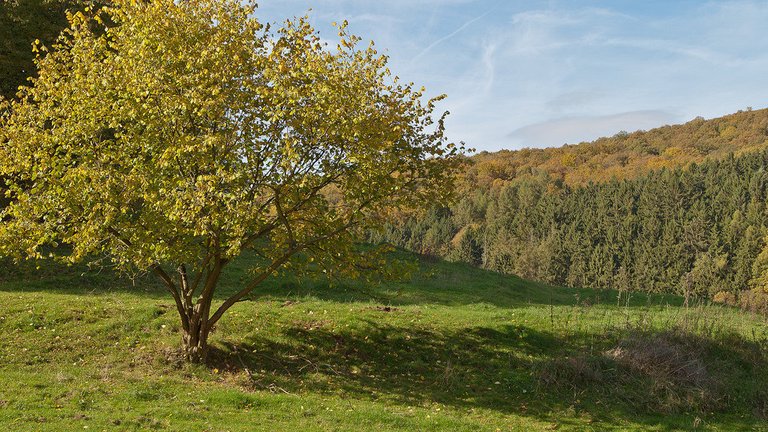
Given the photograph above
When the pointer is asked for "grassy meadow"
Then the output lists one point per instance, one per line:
(457, 348)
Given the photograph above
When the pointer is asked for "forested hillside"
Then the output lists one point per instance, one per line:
(628, 155)
(697, 229)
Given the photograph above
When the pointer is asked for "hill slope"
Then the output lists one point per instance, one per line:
(697, 229)
(464, 350)
(628, 155)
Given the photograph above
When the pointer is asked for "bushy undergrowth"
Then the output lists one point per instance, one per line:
(754, 300)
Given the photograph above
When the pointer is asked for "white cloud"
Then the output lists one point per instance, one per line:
(586, 128)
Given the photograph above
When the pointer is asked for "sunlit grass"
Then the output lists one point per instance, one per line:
(461, 349)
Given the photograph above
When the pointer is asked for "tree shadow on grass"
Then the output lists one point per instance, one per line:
(473, 366)
(492, 367)
(496, 368)
(50, 277)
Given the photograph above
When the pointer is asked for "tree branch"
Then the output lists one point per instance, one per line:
(271, 269)
(158, 270)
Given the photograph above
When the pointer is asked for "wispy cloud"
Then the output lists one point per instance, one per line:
(449, 36)
(489, 66)
(576, 129)
(562, 71)
(668, 46)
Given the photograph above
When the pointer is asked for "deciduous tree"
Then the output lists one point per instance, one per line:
(181, 134)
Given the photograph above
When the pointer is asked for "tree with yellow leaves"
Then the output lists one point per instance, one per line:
(170, 137)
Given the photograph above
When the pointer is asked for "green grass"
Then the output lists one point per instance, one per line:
(461, 349)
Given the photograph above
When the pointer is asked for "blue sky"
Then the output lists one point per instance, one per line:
(544, 73)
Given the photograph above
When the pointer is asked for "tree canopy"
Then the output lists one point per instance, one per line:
(172, 136)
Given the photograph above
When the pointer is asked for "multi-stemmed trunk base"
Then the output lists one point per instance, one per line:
(195, 346)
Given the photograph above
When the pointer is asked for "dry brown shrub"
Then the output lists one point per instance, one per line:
(755, 300)
(673, 368)
(667, 372)
(724, 297)
(662, 357)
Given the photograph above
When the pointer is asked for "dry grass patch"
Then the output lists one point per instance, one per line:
(673, 367)
(671, 371)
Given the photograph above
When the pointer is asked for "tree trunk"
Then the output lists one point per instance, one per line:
(195, 316)
(195, 342)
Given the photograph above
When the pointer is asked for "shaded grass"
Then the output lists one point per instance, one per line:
(462, 349)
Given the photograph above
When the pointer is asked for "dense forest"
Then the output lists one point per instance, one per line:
(697, 229)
